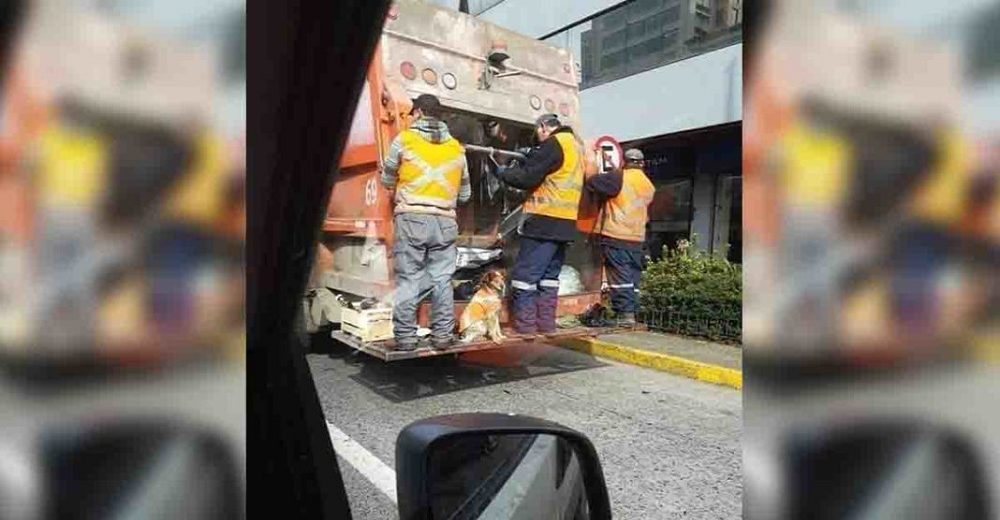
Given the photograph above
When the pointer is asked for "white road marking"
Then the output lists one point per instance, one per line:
(377, 472)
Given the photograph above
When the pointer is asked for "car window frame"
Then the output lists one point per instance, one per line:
(308, 67)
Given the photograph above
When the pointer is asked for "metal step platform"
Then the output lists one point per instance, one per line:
(384, 349)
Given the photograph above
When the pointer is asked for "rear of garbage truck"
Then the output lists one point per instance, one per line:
(493, 84)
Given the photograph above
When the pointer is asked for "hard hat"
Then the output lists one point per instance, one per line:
(548, 120)
(634, 154)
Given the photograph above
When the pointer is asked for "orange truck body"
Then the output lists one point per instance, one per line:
(354, 256)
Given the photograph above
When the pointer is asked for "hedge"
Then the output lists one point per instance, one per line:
(693, 293)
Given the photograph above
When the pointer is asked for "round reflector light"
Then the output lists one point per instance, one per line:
(449, 81)
(430, 77)
(536, 102)
(550, 106)
(564, 109)
(408, 70)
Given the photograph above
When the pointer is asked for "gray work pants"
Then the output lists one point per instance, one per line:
(67, 235)
(425, 255)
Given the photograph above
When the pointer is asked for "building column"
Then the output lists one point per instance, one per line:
(723, 212)
(703, 209)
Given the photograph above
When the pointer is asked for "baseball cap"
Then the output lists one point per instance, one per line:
(548, 120)
(427, 103)
(634, 154)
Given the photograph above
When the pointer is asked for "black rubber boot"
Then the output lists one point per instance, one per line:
(443, 344)
(409, 346)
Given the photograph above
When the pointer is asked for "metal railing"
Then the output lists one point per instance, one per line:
(725, 326)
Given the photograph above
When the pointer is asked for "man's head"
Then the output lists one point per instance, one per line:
(546, 125)
(634, 157)
(426, 105)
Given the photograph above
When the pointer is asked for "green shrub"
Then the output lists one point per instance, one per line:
(693, 293)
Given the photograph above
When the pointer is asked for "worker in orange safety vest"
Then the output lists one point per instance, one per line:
(622, 229)
(427, 170)
(552, 174)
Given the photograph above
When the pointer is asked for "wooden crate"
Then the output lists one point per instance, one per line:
(368, 324)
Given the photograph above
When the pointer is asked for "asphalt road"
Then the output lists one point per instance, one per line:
(670, 446)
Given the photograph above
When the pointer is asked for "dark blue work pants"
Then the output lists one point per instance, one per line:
(535, 285)
(624, 273)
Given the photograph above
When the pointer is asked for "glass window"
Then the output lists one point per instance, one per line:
(615, 40)
(669, 215)
(640, 8)
(645, 34)
(612, 19)
(672, 14)
(636, 31)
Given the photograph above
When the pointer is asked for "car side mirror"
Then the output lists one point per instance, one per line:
(874, 469)
(122, 468)
(497, 466)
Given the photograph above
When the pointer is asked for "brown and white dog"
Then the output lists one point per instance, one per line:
(481, 317)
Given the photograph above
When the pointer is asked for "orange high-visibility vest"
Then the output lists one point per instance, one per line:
(559, 194)
(480, 308)
(625, 214)
(942, 197)
(199, 196)
(430, 173)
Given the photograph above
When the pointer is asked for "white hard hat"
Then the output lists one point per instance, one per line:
(634, 154)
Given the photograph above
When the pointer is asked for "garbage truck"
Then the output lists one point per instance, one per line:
(493, 84)
(113, 118)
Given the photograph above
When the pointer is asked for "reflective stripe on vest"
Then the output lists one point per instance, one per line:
(559, 194)
(625, 214)
(430, 174)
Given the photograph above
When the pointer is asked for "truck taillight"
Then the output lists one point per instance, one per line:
(564, 109)
(408, 70)
(536, 102)
(430, 77)
(550, 106)
(449, 81)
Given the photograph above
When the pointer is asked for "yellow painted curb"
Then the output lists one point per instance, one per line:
(663, 362)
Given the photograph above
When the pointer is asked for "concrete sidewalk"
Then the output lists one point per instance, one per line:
(697, 359)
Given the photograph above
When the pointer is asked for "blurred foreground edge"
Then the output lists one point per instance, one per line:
(310, 62)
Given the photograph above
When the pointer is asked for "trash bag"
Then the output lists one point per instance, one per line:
(474, 257)
(570, 281)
